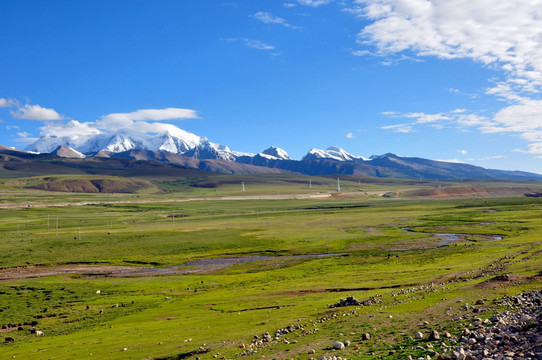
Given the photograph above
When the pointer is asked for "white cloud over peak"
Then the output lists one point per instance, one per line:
(36, 112)
(145, 121)
(267, 18)
(152, 114)
(70, 128)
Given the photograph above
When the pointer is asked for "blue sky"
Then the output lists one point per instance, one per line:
(444, 79)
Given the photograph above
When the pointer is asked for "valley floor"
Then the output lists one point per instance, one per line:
(262, 277)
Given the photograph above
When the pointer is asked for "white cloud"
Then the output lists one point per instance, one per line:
(289, 5)
(399, 128)
(12, 127)
(314, 3)
(25, 138)
(152, 114)
(463, 152)
(494, 157)
(350, 136)
(267, 18)
(422, 118)
(457, 161)
(255, 44)
(505, 35)
(133, 122)
(36, 112)
(508, 33)
(258, 45)
(458, 118)
(390, 113)
(72, 127)
(7, 102)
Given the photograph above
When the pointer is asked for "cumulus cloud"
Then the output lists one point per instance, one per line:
(143, 121)
(72, 127)
(350, 136)
(152, 114)
(267, 18)
(463, 152)
(36, 112)
(506, 36)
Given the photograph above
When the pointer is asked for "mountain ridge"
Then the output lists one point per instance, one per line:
(180, 147)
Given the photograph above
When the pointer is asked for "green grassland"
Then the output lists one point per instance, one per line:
(375, 247)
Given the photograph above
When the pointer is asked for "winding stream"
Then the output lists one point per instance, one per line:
(451, 237)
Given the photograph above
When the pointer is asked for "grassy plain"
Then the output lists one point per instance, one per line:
(379, 248)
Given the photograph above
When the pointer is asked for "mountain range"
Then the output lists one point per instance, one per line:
(177, 146)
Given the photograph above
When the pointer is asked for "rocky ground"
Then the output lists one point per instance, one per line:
(514, 334)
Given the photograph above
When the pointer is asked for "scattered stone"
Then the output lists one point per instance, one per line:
(418, 335)
(311, 351)
(347, 343)
(337, 345)
(510, 335)
(351, 301)
(366, 336)
(434, 335)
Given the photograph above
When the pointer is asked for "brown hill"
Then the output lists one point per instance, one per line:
(92, 186)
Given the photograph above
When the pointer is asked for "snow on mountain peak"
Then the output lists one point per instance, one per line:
(275, 153)
(333, 153)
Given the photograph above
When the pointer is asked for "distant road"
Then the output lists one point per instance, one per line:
(142, 201)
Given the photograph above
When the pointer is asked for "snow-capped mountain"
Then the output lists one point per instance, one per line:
(209, 150)
(200, 153)
(173, 140)
(333, 153)
(275, 153)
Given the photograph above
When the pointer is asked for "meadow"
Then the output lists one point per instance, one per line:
(65, 259)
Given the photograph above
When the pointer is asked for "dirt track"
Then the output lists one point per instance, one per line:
(144, 201)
